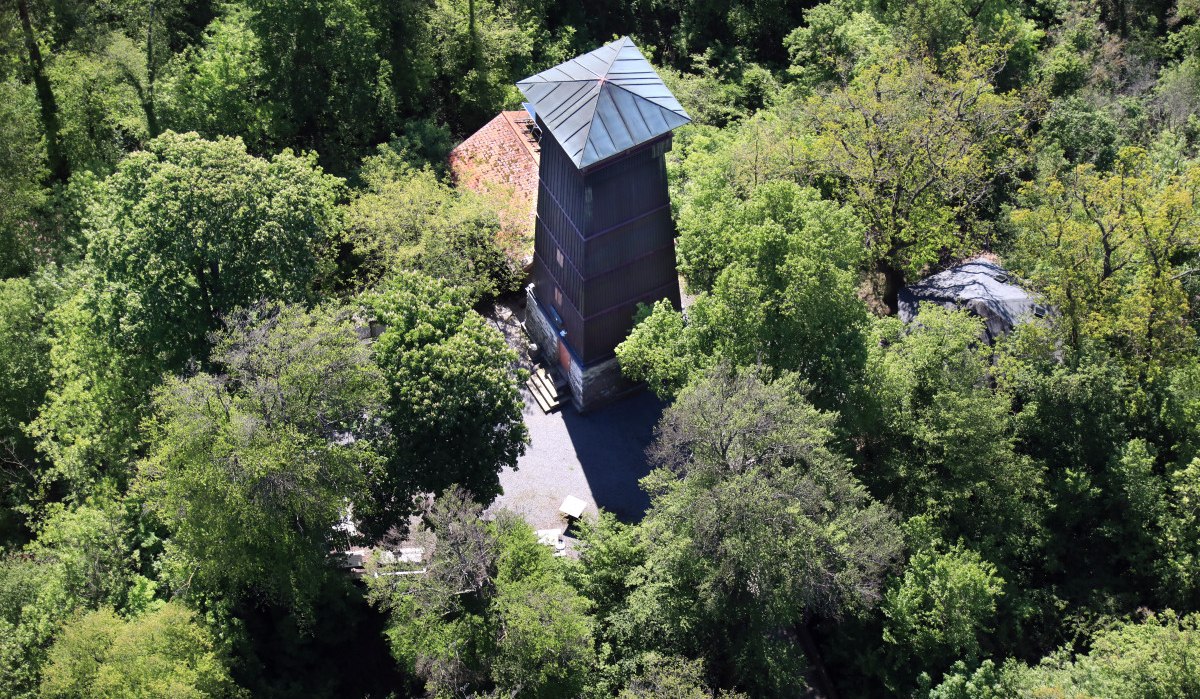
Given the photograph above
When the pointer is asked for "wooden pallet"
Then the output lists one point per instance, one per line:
(547, 390)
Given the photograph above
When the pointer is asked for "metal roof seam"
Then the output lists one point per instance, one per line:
(638, 107)
(562, 111)
(624, 123)
(616, 55)
(600, 81)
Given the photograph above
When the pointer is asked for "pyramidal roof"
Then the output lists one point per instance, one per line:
(603, 103)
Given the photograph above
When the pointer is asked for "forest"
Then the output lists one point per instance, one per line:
(203, 203)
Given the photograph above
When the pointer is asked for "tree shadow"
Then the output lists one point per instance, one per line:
(340, 650)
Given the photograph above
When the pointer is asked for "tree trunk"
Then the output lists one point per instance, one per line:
(148, 102)
(60, 170)
(893, 281)
(818, 676)
(471, 34)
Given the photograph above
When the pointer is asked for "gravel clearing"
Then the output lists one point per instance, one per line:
(598, 457)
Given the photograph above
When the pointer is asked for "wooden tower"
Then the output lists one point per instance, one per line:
(604, 236)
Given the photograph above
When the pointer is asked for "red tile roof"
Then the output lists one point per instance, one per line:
(500, 161)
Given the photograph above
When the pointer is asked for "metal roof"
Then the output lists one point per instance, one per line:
(603, 103)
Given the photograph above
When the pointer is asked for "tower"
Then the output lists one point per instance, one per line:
(604, 236)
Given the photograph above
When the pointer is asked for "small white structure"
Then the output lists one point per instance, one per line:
(554, 539)
(572, 507)
(411, 554)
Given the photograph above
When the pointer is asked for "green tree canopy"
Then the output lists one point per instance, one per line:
(102, 117)
(939, 608)
(1107, 248)
(179, 236)
(24, 374)
(755, 527)
(87, 556)
(22, 174)
(328, 85)
(252, 468)
(777, 276)
(917, 151)
(453, 406)
(166, 652)
(942, 442)
(191, 229)
(490, 611)
(1154, 658)
(408, 220)
(480, 49)
(216, 87)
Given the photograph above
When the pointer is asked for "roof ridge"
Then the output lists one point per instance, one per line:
(601, 81)
(512, 124)
(616, 55)
(587, 133)
(571, 97)
(640, 115)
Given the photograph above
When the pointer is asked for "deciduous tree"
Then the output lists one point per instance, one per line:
(454, 410)
(1106, 248)
(777, 276)
(938, 609)
(943, 442)
(408, 220)
(1154, 658)
(166, 652)
(179, 236)
(490, 611)
(917, 152)
(24, 373)
(22, 174)
(252, 468)
(755, 527)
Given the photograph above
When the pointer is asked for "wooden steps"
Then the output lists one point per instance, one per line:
(547, 390)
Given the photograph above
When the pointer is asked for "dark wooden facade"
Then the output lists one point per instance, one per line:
(604, 242)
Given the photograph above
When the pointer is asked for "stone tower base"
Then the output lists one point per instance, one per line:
(592, 386)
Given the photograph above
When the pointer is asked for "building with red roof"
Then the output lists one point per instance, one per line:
(500, 162)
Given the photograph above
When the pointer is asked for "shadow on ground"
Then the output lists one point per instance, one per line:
(610, 444)
(598, 457)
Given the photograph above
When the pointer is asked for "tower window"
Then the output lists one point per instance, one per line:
(558, 257)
